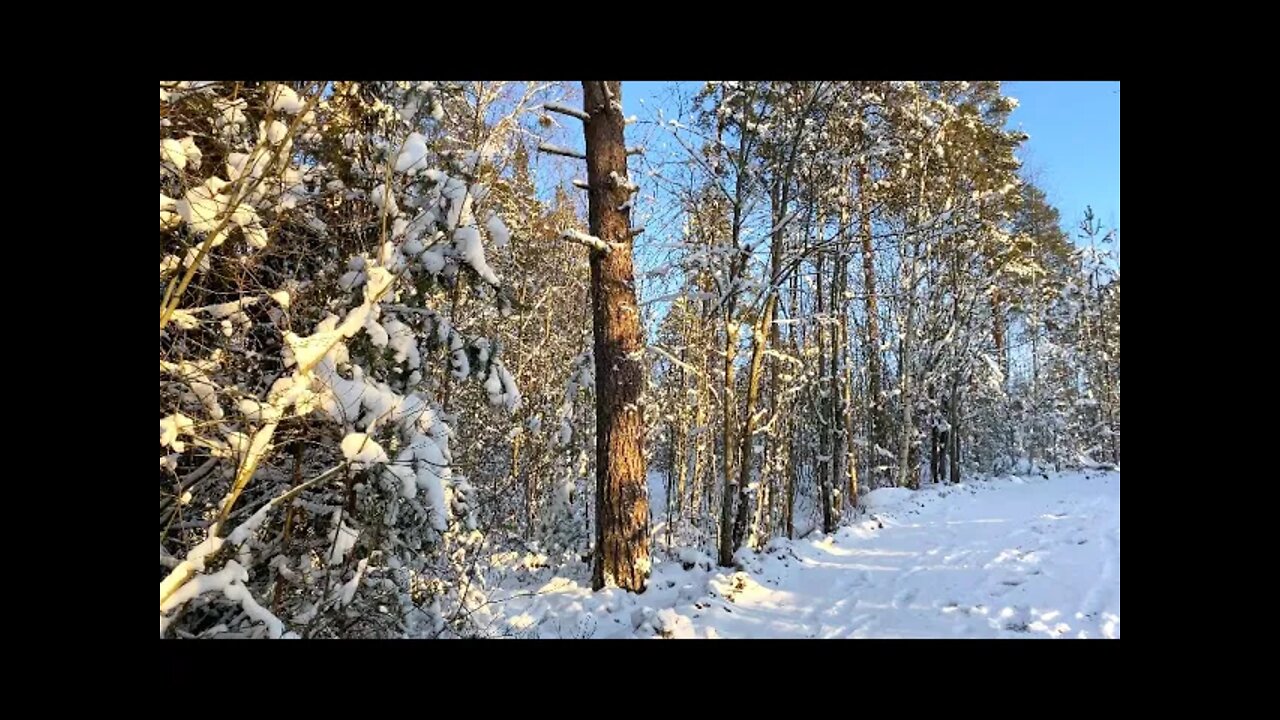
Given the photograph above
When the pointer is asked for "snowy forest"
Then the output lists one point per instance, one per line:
(500, 360)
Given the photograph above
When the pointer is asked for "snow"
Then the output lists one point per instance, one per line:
(623, 183)
(201, 584)
(379, 196)
(401, 340)
(171, 152)
(307, 351)
(237, 162)
(558, 150)
(341, 538)
(171, 427)
(281, 297)
(467, 242)
(672, 624)
(501, 387)
(885, 497)
(276, 132)
(362, 450)
(691, 558)
(566, 110)
(257, 411)
(284, 99)
(241, 594)
(455, 191)
(582, 238)
(349, 588)
(412, 154)
(200, 206)
(250, 526)
(1037, 558)
(497, 230)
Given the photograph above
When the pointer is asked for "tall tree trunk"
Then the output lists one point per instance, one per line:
(823, 397)
(944, 442)
(1107, 406)
(846, 377)
(875, 396)
(738, 267)
(700, 482)
(908, 472)
(683, 445)
(905, 478)
(998, 331)
(773, 443)
(745, 455)
(851, 457)
(729, 409)
(953, 432)
(789, 469)
(622, 502)
(837, 407)
(675, 475)
(933, 455)
(530, 488)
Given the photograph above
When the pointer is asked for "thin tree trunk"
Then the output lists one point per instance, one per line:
(874, 394)
(745, 455)
(529, 490)
(998, 332)
(933, 453)
(700, 442)
(953, 406)
(675, 476)
(773, 443)
(823, 397)
(944, 442)
(788, 469)
(851, 459)
(904, 384)
(622, 503)
(837, 377)
(729, 409)
(1037, 436)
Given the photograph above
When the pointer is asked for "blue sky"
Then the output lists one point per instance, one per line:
(1073, 153)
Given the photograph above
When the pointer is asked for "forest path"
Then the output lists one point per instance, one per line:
(1006, 558)
(1012, 557)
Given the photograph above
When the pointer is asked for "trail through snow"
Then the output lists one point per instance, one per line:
(1014, 557)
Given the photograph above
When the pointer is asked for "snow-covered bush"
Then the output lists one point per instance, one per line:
(312, 237)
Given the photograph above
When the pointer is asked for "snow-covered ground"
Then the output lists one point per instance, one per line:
(1013, 557)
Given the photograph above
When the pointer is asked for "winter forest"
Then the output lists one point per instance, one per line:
(501, 360)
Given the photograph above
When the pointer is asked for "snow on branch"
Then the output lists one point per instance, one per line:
(674, 360)
(557, 150)
(582, 238)
(635, 150)
(581, 184)
(623, 183)
(786, 220)
(565, 110)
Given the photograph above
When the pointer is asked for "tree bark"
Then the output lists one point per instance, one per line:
(875, 398)
(953, 432)
(823, 398)
(748, 424)
(728, 409)
(622, 502)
